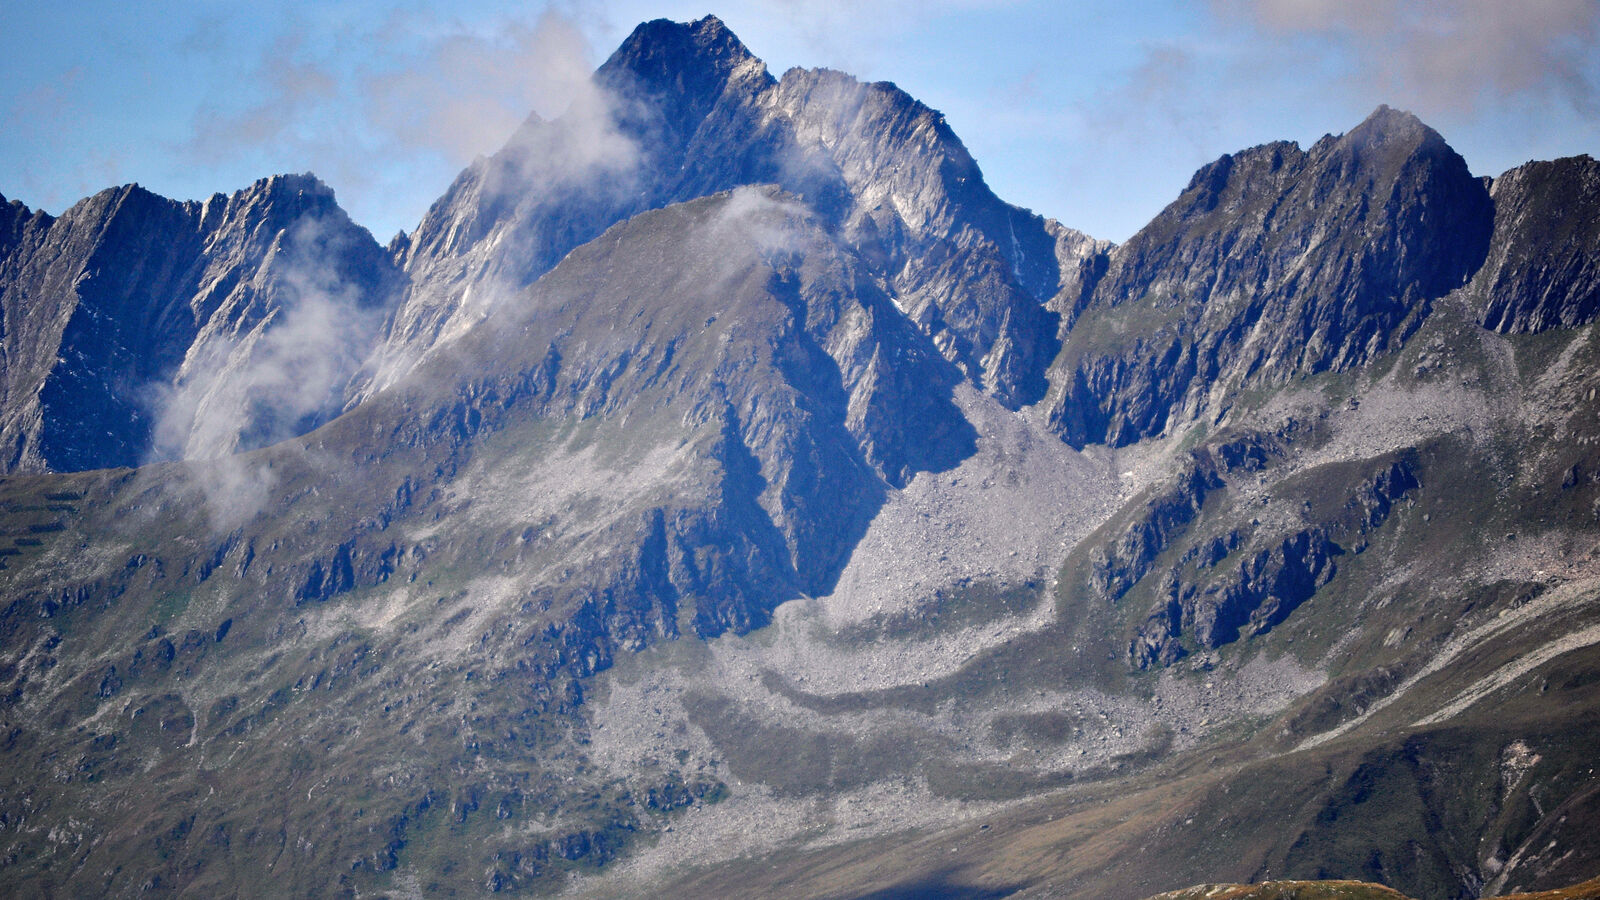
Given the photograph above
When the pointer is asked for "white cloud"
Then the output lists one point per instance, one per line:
(273, 364)
(1452, 56)
(372, 105)
(462, 92)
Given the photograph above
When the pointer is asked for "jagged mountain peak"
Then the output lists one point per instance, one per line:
(302, 191)
(108, 202)
(841, 96)
(1394, 123)
(683, 110)
(686, 57)
(275, 202)
(14, 218)
(131, 316)
(1385, 143)
(1543, 269)
(297, 182)
(1367, 157)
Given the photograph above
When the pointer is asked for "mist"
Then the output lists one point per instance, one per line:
(273, 362)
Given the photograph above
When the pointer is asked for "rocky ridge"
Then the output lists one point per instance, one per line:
(1542, 271)
(132, 323)
(1275, 262)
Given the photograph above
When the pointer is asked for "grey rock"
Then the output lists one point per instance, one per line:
(1543, 267)
(457, 628)
(683, 110)
(806, 392)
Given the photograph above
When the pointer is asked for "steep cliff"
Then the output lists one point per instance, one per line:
(1543, 269)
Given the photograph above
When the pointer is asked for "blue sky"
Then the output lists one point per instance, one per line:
(1094, 113)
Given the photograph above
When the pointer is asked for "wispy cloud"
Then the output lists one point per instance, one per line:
(463, 92)
(1450, 56)
(516, 213)
(275, 362)
(369, 104)
(1163, 98)
(756, 225)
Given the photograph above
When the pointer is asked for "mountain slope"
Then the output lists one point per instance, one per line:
(1413, 704)
(602, 489)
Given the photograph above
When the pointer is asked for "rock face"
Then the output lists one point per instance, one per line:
(681, 426)
(1249, 579)
(678, 112)
(135, 326)
(1274, 262)
(1543, 269)
(972, 271)
(619, 151)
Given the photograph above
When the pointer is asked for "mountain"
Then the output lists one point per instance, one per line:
(723, 492)
(139, 328)
(680, 112)
(1274, 263)
(1541, 273)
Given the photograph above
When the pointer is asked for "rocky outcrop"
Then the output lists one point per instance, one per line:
(1274, 262)
(1117, 567)
(1167, 512)
(137, 327)
(1271, 574)
(1543, 267)
(1082, 262)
